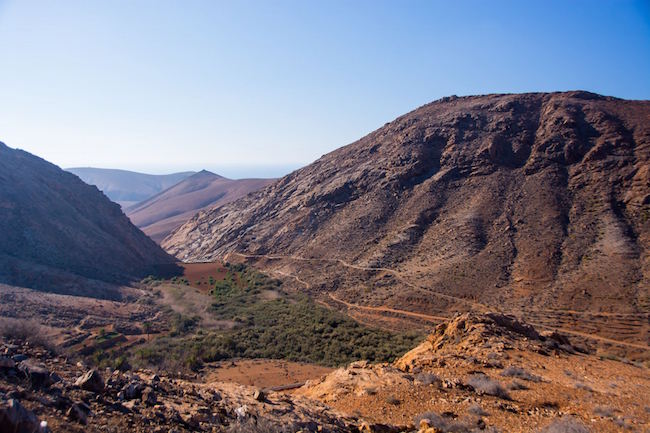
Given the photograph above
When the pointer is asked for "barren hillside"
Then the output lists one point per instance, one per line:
(161, 214)
(127, 188)
(57, 230)
(529, 200)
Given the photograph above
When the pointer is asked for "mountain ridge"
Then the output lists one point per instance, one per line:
(127, 187)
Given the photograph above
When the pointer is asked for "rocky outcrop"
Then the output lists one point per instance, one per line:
(58, 231)
(489, 373)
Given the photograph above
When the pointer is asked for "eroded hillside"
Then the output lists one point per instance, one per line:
(58, 232)
(535, 202)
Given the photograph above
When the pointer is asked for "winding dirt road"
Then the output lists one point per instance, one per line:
(422, 316)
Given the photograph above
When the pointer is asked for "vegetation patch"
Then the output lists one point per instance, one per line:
(282, 326)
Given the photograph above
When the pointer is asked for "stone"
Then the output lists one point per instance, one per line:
(38, 375)
(149, 397)
(91, 381)
(132, 390)
(79, 412)
(259, 395)
(16, 418)
(7, 362)
(55, 378)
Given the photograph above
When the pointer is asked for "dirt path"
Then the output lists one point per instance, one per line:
(342, 262)
(427, 317)
(591, 336)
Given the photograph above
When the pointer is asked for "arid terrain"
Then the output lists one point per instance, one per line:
(478, 372)
(533, 204)
(478, 264)
(159, 215)
(62, 235)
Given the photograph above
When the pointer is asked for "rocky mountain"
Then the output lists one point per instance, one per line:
(57, 230)
(495, 201)
(161, 214)
(127, 188)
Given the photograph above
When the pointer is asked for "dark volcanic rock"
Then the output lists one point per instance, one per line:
(38, 374)
(15, 418)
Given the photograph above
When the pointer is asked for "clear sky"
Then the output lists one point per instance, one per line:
(160, 85)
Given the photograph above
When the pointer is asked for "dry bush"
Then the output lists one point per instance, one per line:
(583, 386)
(517, 386)
(25, 330)
(449, 425)
(393, 400)
(427, 379)
(604, 411)
(477, 410)
(565, 425)
(484, 385)
(520, 373)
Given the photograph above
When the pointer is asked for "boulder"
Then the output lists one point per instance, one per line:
(38, 375)
(259, 395)
(15, 418)
(79, 412)
(91, 381)
(7, 362)
(149, 397)
(132, 390)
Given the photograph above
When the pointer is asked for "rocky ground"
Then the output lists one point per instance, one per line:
(43, 392)
(481, 371)
(477, 372)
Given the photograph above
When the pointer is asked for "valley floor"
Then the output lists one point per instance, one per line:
(201, 333)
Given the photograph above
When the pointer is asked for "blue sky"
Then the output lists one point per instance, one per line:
(261, 87)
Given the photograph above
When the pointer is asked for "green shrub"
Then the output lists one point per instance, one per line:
(292, 327)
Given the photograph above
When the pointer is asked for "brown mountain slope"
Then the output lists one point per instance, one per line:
(128, 188)
(161, 214)
(507, 200)
(57, 230)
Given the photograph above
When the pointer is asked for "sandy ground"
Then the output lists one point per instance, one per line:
(263, 373)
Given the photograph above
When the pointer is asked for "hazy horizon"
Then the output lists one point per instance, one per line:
(165, 85)
(231, 171)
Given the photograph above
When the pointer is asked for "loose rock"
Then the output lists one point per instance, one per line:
(91, 381)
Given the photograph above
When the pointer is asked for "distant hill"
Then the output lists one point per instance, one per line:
(161, 214)
(539, 199)
(57, 230)
(127, 188)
